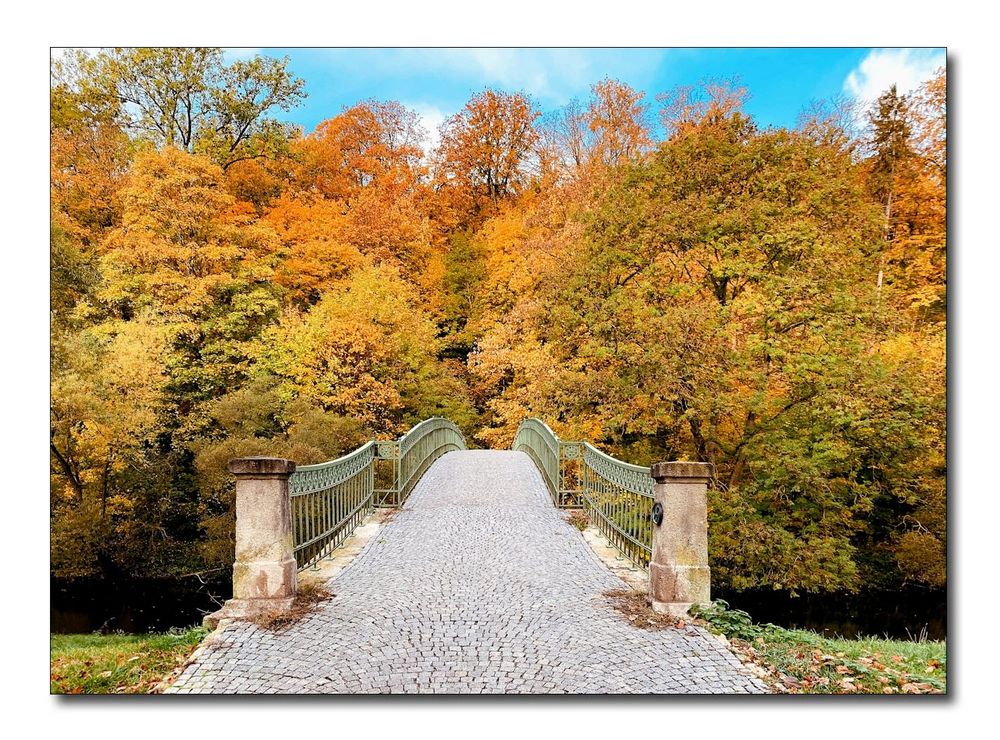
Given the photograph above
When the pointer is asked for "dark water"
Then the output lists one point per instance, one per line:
(902, 614)
(146, 605)
(156, 605)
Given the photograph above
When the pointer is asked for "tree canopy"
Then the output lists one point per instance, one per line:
(768, 300)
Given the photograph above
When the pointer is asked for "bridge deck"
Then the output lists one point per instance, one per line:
(477, 585)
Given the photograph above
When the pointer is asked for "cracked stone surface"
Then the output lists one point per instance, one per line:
(477, 585)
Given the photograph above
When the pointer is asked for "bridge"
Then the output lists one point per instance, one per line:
(476, 583)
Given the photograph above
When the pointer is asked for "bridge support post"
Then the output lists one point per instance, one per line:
(679, 575)
(264, 574)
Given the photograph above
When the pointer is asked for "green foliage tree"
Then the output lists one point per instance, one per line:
(188, 98)
(720, 305)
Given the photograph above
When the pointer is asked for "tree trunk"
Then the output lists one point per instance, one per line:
(67, 468)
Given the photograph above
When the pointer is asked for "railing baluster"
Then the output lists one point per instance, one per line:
(329, 500)
(617, 496)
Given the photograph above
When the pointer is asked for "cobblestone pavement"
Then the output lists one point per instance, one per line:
(477, 585)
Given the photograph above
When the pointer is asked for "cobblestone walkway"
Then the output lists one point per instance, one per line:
(477, 585)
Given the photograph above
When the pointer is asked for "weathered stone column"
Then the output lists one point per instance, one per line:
(678, 572)
(264, 574)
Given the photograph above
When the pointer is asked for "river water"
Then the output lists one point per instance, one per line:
(901, 614)
(157, 605)
(83, 605)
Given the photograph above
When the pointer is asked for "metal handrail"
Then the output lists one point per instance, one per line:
(420, 447)
(617, 496)
(535, 438)
(330, 499)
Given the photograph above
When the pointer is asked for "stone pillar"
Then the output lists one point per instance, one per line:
(678, 572)
(264, 574)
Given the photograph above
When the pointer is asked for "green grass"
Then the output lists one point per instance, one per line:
(117, 663)
(803, 662)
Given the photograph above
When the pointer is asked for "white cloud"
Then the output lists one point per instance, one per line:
(430, 118)
(906, 68)
(545, 74)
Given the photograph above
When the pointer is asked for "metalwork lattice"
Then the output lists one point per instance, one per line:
(617, 496)
(330, 499)
(416, 450)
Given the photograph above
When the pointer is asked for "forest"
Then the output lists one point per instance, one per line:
(649, 270)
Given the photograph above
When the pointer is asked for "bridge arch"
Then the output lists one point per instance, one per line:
(289, 518)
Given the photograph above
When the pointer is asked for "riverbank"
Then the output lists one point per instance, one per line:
(117, 663)
(791, 661)
(804, 662)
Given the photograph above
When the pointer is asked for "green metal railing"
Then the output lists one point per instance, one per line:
(617, 496)
(330, 499)
(413, 453)
(555, 459)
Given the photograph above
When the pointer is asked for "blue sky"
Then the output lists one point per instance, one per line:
(437, 82)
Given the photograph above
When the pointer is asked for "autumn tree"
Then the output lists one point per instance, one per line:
(889, 140)
(710, 311)
(189, 98)
(832, 122)
(565, 134)
(906, 170)
(687, 106)
(929, 111)
(89, 153)
(485, 149)
(365, 164)
(617, 118)
(367, 352)
(317, 247)
(611, 128)
(369, 142)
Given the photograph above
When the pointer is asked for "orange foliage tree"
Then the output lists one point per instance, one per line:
(485, 150)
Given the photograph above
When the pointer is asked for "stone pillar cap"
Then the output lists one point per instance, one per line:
(666, 471)
(252, 466)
